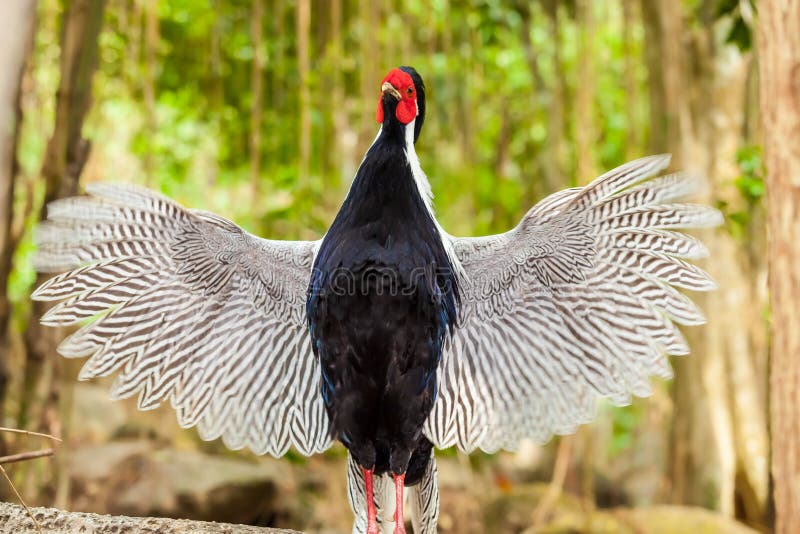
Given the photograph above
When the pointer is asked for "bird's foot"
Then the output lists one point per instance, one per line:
(400, 529)
(372, 527)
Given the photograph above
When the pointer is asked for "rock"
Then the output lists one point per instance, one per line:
(99, 461)
(460, 512)
(15, 519)
(513, 510)
(666, 519)
(99, 418)
(133, 478)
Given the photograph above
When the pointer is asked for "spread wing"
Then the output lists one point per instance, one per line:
(191, 309)
(577, 302)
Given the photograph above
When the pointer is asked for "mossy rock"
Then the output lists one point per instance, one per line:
(666, 519)
(513, 512)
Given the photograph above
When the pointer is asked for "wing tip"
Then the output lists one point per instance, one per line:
(40, 294)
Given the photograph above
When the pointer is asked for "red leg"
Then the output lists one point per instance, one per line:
(399, 521)
(372, 515)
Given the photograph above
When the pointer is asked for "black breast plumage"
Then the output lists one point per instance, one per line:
(382, 297)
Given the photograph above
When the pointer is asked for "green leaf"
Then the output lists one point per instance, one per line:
(740, 34)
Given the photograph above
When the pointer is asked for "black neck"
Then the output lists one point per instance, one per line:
(392, 130)
(384, 186)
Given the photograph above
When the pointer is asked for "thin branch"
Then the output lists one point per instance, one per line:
(556, 486)
(29, 433)
(22, 456)
(21, 500)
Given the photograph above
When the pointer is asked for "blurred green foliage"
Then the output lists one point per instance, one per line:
(470, 54)
(751, 181)
(751, 186)
(741, 13)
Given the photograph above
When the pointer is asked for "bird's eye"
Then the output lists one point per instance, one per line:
(410, 91)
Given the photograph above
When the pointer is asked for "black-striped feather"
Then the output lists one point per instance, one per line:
(422, 499)
(189, 309)
(577, 302)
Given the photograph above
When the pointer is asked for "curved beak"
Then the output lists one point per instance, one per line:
(388, 89)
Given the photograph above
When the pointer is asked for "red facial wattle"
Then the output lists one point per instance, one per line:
(407, 105)
(406, 110)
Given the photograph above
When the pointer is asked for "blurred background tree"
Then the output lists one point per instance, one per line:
(261, 110)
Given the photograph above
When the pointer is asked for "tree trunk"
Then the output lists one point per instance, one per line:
(718, 441)
(550, 160)
(343, 158)
(654, 43)
(134, 33)
(779, 49)
(256, 85)
(149, 87)
(369, 52)
(217, 98)
(303, 67)
(339, 117)
(555, 145)
(629, 82)
(584, 96)
(15, 45)
(64, 158)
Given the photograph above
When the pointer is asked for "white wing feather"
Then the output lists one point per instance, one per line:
(191, 309)
(577, 302)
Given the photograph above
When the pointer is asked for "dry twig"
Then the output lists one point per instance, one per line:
(29, 433)
(545, 506)
(22, 456)
(21, 500)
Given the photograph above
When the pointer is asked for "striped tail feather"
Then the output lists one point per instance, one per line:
(422, 500)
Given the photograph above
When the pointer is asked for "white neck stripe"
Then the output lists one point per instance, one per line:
(425, 192)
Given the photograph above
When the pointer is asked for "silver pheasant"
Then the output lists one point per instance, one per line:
(577, 302)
